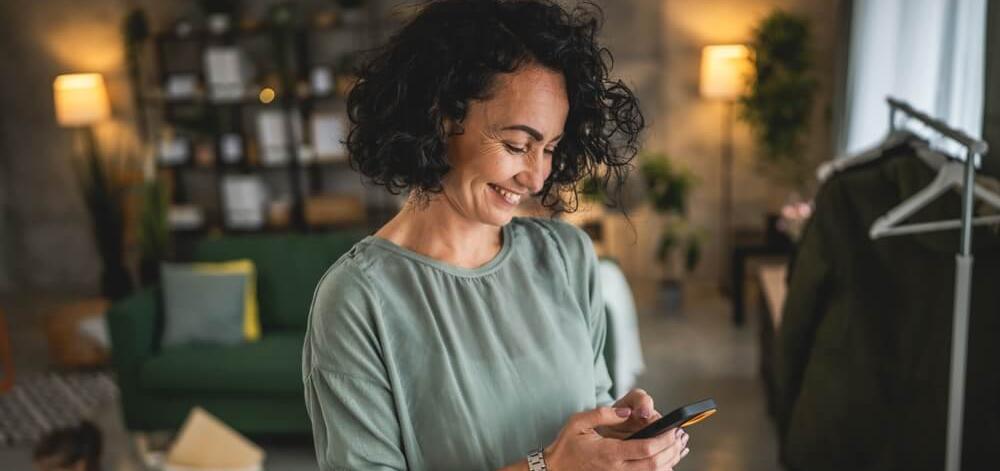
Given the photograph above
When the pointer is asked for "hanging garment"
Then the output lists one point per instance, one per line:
(623, 352)
(863, 350)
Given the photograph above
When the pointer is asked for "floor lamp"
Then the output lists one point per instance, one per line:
(81, 101)
(724, 70)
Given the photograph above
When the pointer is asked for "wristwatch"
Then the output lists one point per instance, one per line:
(536, 461)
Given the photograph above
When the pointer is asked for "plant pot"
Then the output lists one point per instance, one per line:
(671, 296)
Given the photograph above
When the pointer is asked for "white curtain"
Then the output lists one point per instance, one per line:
(930, 53)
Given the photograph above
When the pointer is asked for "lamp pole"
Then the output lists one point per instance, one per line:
(726, 189)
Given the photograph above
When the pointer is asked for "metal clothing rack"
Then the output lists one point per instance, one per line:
(975, 148)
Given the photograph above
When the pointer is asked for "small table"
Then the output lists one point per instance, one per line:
(68, 348)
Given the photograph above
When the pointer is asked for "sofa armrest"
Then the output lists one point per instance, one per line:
(132, 325)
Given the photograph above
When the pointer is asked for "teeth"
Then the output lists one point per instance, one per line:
(511, 198)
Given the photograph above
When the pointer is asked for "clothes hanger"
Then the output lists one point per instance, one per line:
(951, 174)
(893, 139)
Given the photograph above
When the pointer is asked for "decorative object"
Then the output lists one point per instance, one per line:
(244, 267)
(273, 135)
(226, 72)
(185, 217)
(172, 149)
(724, 71)
(320, 81)
(202, 307)
(780, 99)
(244, 198)
(81, 101)
(332, 210)
(231, 148)
(181, 86)
(668, 189)
(41, 403)
(328, 132)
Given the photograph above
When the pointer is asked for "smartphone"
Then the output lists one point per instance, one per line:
(682, 417)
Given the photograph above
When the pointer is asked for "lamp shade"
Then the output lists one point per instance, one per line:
(81, 99)
(724, 71)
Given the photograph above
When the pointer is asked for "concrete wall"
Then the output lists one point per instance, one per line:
(661, 42)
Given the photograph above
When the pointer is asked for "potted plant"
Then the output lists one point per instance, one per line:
(154, 234)
(679, 248)
(780, 97)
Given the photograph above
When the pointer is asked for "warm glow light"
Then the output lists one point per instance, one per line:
(724, 71)
(266, 95)
(81, 99)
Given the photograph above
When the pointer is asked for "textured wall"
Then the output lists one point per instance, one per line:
(662, 42)
(657, 45)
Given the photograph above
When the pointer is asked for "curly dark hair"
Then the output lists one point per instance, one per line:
(450, 53)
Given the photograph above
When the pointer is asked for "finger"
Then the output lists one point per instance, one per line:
(600, 416)
(647, 447)
(664, 460)
(640, 402)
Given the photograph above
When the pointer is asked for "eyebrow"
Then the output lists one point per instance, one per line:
(534, 133)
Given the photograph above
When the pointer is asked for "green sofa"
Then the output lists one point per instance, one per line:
(255, 387)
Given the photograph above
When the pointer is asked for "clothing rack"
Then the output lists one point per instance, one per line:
(975, 148)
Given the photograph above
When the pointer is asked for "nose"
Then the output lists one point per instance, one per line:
(535, 171)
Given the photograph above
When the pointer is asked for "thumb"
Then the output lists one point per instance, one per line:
(602, 416)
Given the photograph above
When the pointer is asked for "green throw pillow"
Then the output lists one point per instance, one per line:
(202, 307)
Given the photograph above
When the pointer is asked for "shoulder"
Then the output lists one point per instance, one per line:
(345, 295)
(566, 236)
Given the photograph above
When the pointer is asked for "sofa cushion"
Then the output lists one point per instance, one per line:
(272, 364)
(201, 307)
(288, 269)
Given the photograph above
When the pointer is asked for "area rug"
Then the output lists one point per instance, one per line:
(40, 403)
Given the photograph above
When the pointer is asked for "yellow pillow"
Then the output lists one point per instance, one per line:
(251, 316)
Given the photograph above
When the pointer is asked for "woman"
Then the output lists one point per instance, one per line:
(460, 337)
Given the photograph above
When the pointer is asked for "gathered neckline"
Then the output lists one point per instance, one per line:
(506, 234)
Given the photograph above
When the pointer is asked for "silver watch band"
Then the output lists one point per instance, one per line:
(536, 461)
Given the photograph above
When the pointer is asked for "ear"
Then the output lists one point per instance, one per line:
(452, 127)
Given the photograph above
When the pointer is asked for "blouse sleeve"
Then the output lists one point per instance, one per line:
(347, 391)
(584, 276)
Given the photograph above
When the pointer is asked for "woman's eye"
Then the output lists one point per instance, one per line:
(515, 150)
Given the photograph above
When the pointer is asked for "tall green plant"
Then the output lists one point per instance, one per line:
(154, 234)
(781, 95)
(668, 188)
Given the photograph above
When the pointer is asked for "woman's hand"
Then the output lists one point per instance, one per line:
(643, 414)
(580, 448)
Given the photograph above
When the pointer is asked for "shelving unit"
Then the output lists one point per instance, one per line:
(275, 55)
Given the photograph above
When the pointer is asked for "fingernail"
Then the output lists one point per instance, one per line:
(685, 452)
(678, 433)
(623, 412)
(644, 414)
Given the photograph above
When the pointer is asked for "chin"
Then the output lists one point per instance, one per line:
(498, 219)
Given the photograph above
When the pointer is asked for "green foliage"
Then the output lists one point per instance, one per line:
(667, 187)
(153, 232)
(781, 95)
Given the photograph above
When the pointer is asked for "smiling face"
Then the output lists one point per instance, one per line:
(505, 152)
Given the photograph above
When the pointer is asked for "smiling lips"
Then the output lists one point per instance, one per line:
(510, 197)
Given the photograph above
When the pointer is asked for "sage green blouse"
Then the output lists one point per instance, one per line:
(414, 364)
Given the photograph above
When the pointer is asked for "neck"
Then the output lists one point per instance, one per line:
(437, 230)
